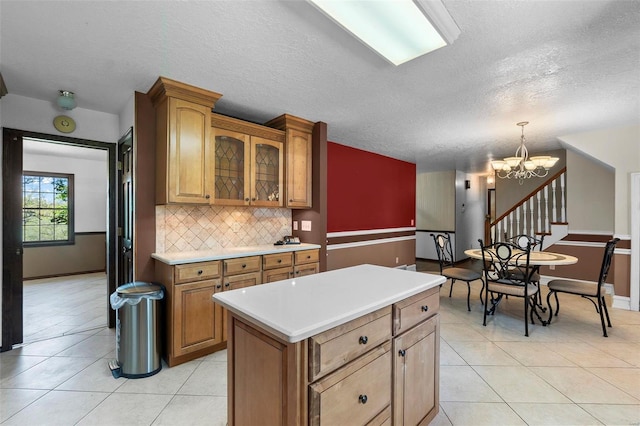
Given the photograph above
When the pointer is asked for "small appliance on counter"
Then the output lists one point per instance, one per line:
(287, 240)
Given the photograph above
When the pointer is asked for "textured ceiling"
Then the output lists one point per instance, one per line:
(565, 66)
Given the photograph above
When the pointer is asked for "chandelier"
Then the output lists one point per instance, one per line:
(521, 166)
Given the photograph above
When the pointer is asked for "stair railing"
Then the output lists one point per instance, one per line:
(534, 214)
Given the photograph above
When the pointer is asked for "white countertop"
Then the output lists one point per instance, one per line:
(298, 308)
(227, 253)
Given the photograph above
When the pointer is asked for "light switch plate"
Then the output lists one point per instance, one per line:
(306, 225)
(295, 225)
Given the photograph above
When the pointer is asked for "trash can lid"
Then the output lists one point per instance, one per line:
(139, 288)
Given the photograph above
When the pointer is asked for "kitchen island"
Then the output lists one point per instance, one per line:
(351, 346)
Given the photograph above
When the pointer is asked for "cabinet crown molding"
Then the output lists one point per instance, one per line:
(165, 87)
(288, 121)
(253, 129)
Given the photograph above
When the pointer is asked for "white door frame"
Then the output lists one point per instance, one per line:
(635, 243)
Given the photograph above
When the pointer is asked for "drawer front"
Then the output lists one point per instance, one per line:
(307, 256)
(279, 274)
(339, 345)
(196, 271)
(415, 309)
(354, 395)
(308, 269)
(279, 260)
(242, 265)
(235, 282)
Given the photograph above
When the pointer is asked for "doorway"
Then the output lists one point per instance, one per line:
(13, 250)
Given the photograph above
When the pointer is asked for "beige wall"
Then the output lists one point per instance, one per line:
(436, 201)
(590, 202)
(88, 254)
(620, 149)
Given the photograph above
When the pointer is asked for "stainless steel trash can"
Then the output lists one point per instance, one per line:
(137, 326)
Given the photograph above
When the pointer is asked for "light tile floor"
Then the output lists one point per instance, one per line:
(64, 305)
(563, 374)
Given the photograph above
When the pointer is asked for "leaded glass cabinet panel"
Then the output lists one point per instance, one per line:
(231, 176)
(267, 172)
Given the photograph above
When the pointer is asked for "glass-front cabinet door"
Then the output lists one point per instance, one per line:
(267, 172)
(232, 157)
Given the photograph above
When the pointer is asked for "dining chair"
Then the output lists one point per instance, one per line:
(536, 245)
(507, 273)
(586, 289)
(448, 268)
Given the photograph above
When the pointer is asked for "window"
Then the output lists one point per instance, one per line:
(47, 209)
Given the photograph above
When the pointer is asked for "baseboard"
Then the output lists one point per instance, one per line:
(621, 302)
(62, 275)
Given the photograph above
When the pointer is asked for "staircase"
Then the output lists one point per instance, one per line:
(542, 212)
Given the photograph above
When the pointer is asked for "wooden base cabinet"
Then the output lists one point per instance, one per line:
(379, 369)
(192, 324)
(195, 325)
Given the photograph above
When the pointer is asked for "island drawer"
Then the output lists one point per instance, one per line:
(307, 256)
(277, 260)
(415, 309)
(196, 271)
(242, 265)
(337, 346)
(355, 394)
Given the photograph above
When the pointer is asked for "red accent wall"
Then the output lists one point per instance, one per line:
(368, 191)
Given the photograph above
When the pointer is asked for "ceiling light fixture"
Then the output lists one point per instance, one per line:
(521, 166)
(399, 30)
(66, 100)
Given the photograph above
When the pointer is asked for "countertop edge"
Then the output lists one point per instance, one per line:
(294, 336)
(208, 255)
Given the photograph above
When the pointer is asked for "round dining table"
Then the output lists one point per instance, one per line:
(538, 258)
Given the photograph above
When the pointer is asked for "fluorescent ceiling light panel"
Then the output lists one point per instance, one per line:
(399, 30)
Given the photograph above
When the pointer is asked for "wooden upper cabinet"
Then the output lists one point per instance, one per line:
(184, 160)
(298, 150)
(248, 163)
(231, 167)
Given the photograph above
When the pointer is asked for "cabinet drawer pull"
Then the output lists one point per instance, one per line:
(402, 352)
(253, 199)
(363, 340)
(244, 265)
(297, 272)
(362, 399)
(200, 272)
(425, 308)
(291, 201)
(218, 286)
(279, 260)
(309, 257)
(207, 196)
(227, 285)
(246, 199)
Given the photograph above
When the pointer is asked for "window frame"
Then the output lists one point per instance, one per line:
(70, 207)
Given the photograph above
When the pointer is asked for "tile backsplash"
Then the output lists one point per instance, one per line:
(186, 228)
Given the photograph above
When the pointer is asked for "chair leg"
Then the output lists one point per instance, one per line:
(555, 293)
(606, 311)
(451, 288)
(600, 311)
(549, 305)
(481, 290)
(526, 323)
(468, 296)
(486, 306)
